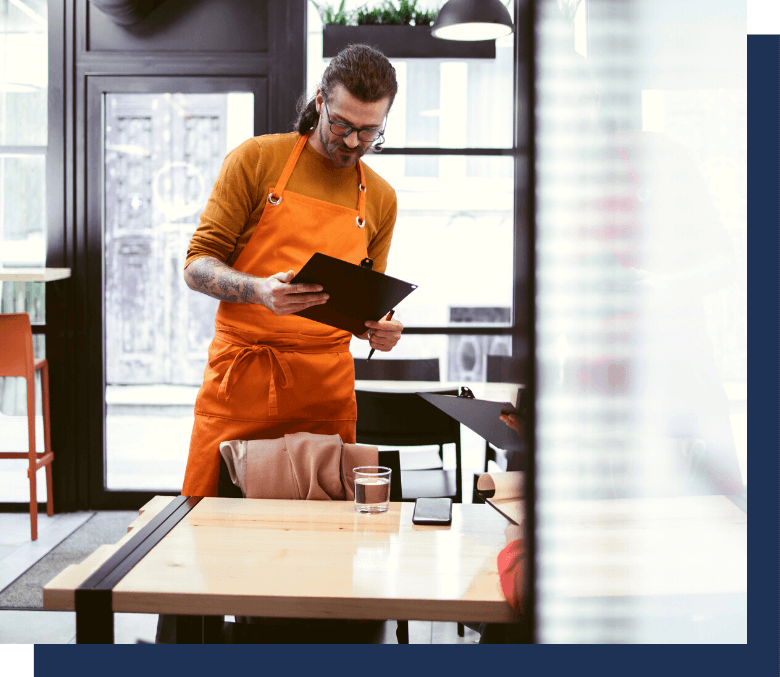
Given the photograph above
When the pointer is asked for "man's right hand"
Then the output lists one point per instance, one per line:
(282, 298)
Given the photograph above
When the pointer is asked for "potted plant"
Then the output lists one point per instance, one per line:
(401, 31)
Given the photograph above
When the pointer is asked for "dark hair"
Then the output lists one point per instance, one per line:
(363, 71)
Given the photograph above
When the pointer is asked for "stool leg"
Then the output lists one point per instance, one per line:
(402, 632)
(49, 496)
(47, 434)
(33, 506)
(31, 456)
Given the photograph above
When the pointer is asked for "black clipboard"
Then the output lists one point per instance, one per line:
(481, 416)
(357, 293)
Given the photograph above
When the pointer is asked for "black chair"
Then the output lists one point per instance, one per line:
(397, 370)
(425, 369)
(505, 369)
(407, 420)
(502, 369)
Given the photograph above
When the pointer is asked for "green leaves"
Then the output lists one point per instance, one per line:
(333, 16)
(406, 13)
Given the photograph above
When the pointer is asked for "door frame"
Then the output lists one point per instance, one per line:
(94, 368)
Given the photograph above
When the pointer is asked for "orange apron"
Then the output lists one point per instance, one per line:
(269, 375)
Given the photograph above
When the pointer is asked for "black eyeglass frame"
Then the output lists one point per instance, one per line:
(380, 132)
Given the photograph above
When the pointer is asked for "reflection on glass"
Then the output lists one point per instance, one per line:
(163, 153)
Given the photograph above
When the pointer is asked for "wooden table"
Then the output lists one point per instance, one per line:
(296, 559)
(33, 274)
(499, 392)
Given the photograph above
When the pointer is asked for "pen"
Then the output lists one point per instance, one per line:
(389, 317)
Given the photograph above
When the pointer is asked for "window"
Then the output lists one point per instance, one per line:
(454, 235)
(162, 154)
(23, 139)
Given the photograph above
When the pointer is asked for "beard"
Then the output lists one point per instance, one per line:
(341, 155)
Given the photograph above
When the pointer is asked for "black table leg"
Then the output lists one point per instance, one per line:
(212, 629)
(94, 612)
(189, 629)
(94, 617)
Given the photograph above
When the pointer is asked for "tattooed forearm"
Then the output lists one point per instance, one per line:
(212, 277)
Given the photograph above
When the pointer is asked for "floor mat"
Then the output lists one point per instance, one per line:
(107, 527)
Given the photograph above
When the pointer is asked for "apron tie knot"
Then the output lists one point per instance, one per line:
(277, 364)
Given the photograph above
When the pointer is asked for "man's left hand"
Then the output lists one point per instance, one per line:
(384, 334)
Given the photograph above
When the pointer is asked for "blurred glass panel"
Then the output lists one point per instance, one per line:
(163, 153)
(23, 212)
(23, 72)
(641, 313)
(440, 102)
(454, 237)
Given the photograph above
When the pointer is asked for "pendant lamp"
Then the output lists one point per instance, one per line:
(472, 20)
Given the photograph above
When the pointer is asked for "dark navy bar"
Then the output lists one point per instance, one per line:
(94, 613)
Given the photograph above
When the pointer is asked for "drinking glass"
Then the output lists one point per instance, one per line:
(372, 488)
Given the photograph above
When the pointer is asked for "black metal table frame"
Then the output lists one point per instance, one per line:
(94, 612)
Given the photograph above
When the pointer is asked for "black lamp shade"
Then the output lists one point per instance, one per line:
(472, 20)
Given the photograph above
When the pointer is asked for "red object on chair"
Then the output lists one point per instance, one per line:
(16, 359)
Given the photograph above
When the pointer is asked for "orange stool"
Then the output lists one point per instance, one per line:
(16, 359)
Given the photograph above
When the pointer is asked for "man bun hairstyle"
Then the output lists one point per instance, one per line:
(364, 72)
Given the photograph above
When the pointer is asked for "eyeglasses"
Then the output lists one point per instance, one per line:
(366, 134)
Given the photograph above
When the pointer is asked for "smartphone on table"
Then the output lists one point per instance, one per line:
(432, 511)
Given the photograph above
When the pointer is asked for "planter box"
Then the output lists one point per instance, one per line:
(403, 42)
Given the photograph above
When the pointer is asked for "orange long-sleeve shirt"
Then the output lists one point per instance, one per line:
(250, 172)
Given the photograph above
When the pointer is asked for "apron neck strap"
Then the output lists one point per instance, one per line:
(361, 194)
(288, 168)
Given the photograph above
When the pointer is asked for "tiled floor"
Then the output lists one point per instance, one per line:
(18, 553)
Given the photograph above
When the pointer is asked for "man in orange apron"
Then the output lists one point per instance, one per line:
(279, 199)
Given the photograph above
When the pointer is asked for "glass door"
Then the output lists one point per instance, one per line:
(163, 153)
(159, 154)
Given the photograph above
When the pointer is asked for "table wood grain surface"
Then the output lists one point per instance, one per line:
(309, 559)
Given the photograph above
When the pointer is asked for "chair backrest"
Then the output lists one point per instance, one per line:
(505, 369)
(397, 370)
(16, 350)
(390, 458)
(225, 486)
(403, 419)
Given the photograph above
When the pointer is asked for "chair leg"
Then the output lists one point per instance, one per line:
(402, 632)
(47, 434)
(31, 472)
(49, 493)
(461, 630)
